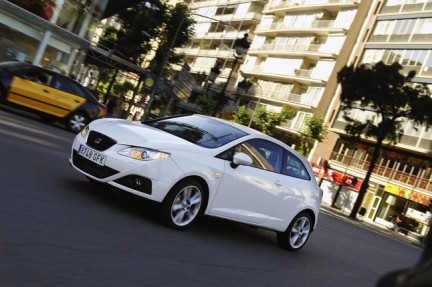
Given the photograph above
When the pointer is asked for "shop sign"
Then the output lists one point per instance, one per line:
(346, 180)
(408, 194)
(337, 177)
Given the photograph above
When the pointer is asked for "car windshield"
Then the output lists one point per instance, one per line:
(205, 132)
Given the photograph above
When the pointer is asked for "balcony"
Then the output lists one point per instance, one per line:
(309, 5)
(250, 17)
(301, 76)
(216, 3)
(198, 52)
(221, 36)
(309, 100)
(318, 27)
(312, 51)
(386, 171)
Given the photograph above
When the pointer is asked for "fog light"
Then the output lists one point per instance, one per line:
(138, 181)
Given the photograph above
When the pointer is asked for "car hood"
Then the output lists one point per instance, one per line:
(137, 134)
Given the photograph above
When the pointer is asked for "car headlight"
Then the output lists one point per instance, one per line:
(141, 153)
(85, 131)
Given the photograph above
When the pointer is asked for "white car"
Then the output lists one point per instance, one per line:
(194, 164)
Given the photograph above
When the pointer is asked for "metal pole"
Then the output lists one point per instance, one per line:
(222, 93)
(165, 60)
(256, 107)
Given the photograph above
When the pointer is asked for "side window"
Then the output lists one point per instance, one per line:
(294, 167)
(67, 86)
(265, 155)
(38, 76)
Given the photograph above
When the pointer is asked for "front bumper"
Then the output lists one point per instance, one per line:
(150, 179)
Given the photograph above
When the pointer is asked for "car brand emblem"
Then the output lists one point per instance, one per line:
(98, 140)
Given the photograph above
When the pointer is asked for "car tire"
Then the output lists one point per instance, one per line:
(183, 204)
(297, 233)
(2, 94)
(76, 121)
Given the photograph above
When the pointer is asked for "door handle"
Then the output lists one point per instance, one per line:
(278, 183)
(46, 91)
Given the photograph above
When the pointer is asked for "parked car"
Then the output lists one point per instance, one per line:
(194, 164)
(49, 94)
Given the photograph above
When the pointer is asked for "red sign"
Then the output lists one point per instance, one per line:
(337, 177)
(346, 180)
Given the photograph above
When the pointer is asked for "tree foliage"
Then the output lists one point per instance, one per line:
(391, 99)
(144, 23)
(139, 24)
(207, 104)
(177, 26)
(315, 131)
(263, 120)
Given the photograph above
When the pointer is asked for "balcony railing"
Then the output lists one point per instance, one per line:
(302, 3)
(390, 170)
(291, 48)
(321, 24)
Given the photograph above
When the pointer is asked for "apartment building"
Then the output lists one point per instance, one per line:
(298, 48)
(401, 183)
(219, 24)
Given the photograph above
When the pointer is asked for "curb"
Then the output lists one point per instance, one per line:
(372, 227)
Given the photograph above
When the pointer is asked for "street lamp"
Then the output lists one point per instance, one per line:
(241, 45)
(165, 60)
(214, 72)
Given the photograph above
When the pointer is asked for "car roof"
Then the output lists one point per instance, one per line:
(26, 64)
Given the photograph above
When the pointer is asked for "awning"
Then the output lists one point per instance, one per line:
(104, 58)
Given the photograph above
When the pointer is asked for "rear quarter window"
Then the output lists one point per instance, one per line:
(294, 167)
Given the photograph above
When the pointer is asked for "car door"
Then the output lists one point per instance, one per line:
(31, 89)
(250, 193)
(69, 95)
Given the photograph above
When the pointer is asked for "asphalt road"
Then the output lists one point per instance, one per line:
(58, 229)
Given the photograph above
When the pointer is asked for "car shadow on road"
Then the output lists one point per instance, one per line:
(207, 227)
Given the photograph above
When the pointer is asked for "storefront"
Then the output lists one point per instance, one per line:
(413, 208)
(383, 201)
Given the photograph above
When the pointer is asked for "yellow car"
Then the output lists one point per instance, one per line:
(50, 94)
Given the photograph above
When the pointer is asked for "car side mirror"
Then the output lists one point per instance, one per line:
(241, 158)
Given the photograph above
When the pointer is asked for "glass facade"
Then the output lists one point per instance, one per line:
(51, 33)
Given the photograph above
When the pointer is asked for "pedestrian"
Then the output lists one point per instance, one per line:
(111, 105)
(397, 222)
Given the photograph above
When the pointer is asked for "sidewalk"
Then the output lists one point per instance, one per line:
(377, 228)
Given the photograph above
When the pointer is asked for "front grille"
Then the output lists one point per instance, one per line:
(90, 167)
(99, 141)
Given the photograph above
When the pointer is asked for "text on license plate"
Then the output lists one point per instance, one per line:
(92, 155)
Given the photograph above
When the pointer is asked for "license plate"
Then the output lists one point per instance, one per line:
(92, 155)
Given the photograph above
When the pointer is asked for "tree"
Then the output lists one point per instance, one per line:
(315, 131)
(175, 16)
(139, 24)
(391, 98)
(264, 120)
(207, 104)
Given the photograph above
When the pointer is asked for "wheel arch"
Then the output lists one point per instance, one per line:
(203, 184)
(311, 214)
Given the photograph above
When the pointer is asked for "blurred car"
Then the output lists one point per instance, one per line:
(50, 94)
(194, 164)
(419, 275)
